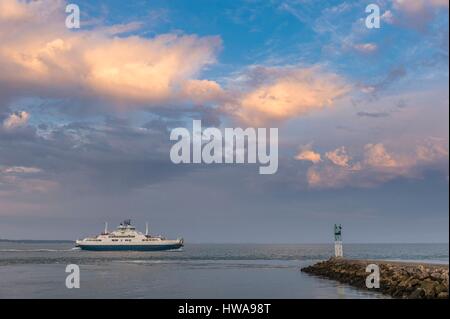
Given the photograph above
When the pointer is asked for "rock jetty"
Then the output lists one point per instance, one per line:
(397, 279)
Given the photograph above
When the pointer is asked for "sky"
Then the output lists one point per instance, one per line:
(362, 114)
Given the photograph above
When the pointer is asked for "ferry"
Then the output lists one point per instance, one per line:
(127, 238)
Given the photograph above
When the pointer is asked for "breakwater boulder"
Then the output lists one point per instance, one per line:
(397, 279)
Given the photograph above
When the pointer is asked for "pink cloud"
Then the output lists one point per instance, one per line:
(339, 157)
(377, 165)
(308, 155)
(284, 93)
(41, 54)
(16, 120)
(414, 13)
(44, 57)
(366, 48)
(377, 156)
(13, 10)
(202, 91)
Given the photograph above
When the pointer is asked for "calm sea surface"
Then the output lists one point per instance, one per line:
(37, 270)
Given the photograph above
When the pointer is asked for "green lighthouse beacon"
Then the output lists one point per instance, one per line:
(338, 250)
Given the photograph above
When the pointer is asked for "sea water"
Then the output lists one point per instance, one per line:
(37, 270)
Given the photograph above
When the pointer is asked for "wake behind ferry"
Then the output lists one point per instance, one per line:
(126, 237)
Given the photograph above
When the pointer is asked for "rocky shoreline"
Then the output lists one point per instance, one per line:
(397, 279)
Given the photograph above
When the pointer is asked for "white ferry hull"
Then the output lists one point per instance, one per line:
(131, 247)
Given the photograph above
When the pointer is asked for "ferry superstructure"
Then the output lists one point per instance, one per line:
(127, 238)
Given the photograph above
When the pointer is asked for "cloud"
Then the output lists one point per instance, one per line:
(416, 14)
(372, 114)
(13, 10)
(393, 75)
(388, 17)
(365, 48)
(327, 177)
(41, 56)
(418, 6)
(21, 179)
(14, 185)
(377, 165)
(339, 157)
(202, 91)
(97, 158)
(281, 93)
(432, 150)
(96, 70)
(19, 170)
(148, 70)
(308, 155)
(16, 120)
(377, 156)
